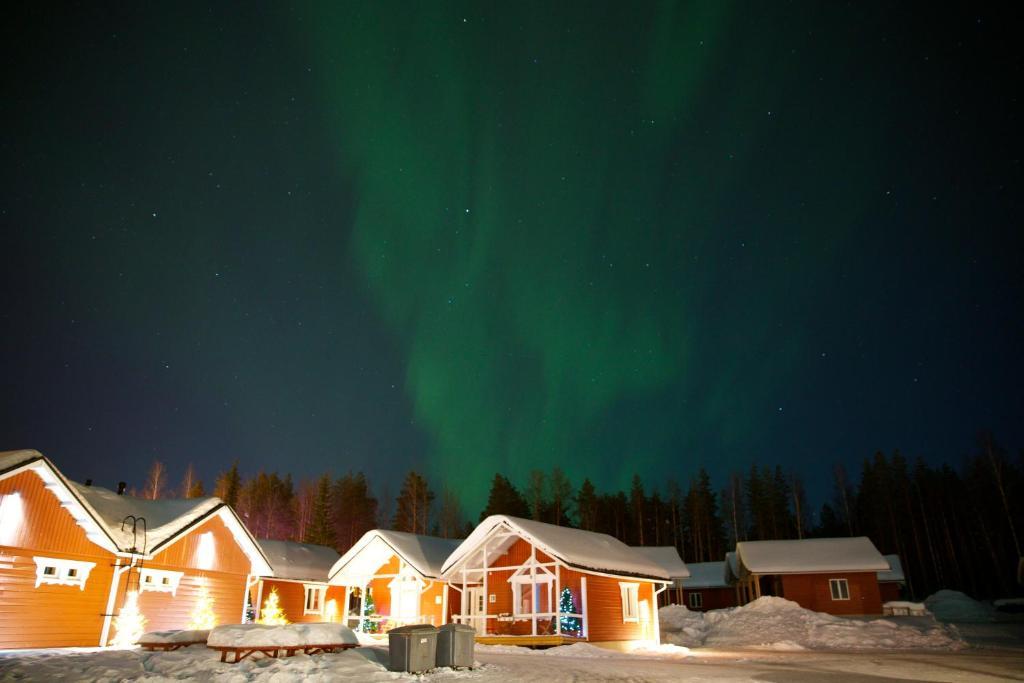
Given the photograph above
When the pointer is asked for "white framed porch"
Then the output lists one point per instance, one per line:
(532, 590)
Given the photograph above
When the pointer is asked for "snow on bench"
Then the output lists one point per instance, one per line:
(173, 639)
(895, 608)
(242, 640)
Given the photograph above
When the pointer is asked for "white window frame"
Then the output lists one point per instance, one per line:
(521, 580)
(839, 587)
(64, 572)
(311, 589)
(630, 596)
(159, 581)
(695, 600)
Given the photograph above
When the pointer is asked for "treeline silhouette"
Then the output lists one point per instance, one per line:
(953, 527)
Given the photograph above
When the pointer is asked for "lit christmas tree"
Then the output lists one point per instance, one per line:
(272, 614)
(129, 625)
(567, 604)
(369, 626)
(202, 617)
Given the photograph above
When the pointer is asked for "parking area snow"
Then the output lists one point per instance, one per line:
(779, 624)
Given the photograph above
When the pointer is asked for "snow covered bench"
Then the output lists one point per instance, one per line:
(242, 640)
(897, 608)
(172, 640)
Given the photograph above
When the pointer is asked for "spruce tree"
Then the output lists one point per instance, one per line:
(504, 499)
(321, 531)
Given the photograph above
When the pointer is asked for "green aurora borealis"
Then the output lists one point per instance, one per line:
(468, 238)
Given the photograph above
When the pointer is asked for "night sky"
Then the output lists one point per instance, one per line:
(490, 237)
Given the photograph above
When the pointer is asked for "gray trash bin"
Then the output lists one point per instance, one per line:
(412, 648)
(455, 645)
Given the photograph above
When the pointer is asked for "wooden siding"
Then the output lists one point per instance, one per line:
(292, 598)
(889, 590)
(812, 591)
(46, 525)
(183, 554)
(174, 611)
(713, 598)
(604, 609)
(430, 611)
(27, 612)
(50, 615)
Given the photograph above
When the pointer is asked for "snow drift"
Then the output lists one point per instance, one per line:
(780, 624)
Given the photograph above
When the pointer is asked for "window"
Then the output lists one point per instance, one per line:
(159, 581)
(840, 589)
(696, 600)
(57, 572)
(314, 598)
(531, 597)
(630, 593)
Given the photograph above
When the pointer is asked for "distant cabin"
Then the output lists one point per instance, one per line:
(667, 557)
(834, 575)
(707, 587)
(892, 582)
(70, 554)
(300, 572)
(524, 582)
(393, 578)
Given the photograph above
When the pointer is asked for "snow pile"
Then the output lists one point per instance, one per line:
(779, 624)
(175, 636)
(256, 635)
(688, 629)
(955, 606)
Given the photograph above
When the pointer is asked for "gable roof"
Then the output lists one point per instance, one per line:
(585, 550)
(895, 572)
(667, 557)
(809, 556)
(706, 575)
(101, 512)
(424, 554)
(299, 561)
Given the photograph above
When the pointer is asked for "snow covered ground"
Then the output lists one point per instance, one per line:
(558, 665)
(770, 640)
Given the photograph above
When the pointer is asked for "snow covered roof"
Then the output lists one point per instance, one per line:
(667, 557)
(706, 575)
(576, 548)
(299, 561)
(101, 512)
(424, 554)
(732, 569)
(810, 555)
(895, 572)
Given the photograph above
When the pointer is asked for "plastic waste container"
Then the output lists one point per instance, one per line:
(455, 645)
(412, 648)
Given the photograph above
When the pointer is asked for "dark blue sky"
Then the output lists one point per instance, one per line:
(468, 240)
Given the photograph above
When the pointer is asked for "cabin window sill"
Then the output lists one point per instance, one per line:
(59, 572)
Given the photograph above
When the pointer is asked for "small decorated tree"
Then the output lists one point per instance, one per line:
(203, 617)
(129, 624)
(369, 626)
(272, 614)
(566, 604)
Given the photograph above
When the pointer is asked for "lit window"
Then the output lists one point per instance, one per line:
(314, 598)
(159, 580)
(840, 589)
(630, 594)
(696, 600)
(59, 572)
(11, 518)
(531, 596)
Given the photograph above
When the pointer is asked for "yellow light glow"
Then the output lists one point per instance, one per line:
(207, 553)
(332, 610)
(272, 614)
(203, 617)
(129, 624)
(12, 515)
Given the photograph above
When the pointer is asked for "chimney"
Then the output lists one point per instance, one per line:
(88, 482)
(120, 487)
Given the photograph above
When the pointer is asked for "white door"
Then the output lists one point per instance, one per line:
(477, 608)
